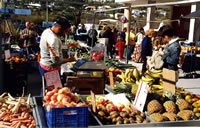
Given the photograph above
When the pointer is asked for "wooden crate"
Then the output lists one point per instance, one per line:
(83, 85)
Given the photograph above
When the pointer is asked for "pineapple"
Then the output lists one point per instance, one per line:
(182, 104)
(157, 117)
(171, 116)
(154, 106)
(170, 106)
(186, 114)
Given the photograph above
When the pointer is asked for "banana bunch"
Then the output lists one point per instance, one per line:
(127, 76)
(134, 77)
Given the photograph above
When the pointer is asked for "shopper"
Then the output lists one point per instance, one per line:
(92, 33)
(28, 38)
(72, 33)
(51, 47)
(171, 53)
(131, 44)
(82, 35)
(137, 51)
(108, 34)
(146, 48)
(120, 46)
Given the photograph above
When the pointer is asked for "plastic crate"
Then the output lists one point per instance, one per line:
(67, 117)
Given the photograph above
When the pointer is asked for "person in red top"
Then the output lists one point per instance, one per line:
(120, 46)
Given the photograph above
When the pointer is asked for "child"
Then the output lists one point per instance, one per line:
(120, 46)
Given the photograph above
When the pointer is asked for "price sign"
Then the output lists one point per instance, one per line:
(93, 101)
(141, 96)
(53, 79)
(111, 79)
(7, 54)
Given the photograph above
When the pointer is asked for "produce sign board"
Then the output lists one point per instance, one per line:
(53, 79)
(93, 101)
(141, 96)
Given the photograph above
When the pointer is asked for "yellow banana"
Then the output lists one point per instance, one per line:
(157, 86)
(156, 71)
(148, 76)
(148, 81)
(136, 74)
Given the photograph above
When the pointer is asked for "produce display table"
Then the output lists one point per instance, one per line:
(40, 113)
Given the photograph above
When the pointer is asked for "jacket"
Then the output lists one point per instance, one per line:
(146, 46)
(171, 55)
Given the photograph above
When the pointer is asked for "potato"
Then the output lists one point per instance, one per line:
(119, 122)
(142, 114)
(132, 121)
(139, 118)
(107, 118)
(119, 118)
(114, 120)
(126, 121)
(146, 121)
(132, 114)
(123, 114)
(101, 113)
(138, 121)
(113, 112)
(101, 107)
(114, 115)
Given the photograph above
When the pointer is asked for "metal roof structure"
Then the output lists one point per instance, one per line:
(152, 5)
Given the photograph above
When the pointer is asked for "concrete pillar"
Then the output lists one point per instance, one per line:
(192, 25)
(127, 15)
(197, 25)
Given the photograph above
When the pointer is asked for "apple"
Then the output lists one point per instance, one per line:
(54, 102)
(73, 104)
(60, 97)
(80, 104)
(55, 90)
(54, 97)
(50, 93)
(66, 99)
(60, 105)
(47, 98)
(66, 90)
(75, 98)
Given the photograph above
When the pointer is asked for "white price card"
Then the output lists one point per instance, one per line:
(141, 96)
(7, 54)
(53, 79)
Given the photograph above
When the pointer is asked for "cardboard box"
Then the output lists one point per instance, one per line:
(169, 86)
(170, 75)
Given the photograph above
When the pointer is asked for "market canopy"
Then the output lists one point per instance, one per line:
(195, 14)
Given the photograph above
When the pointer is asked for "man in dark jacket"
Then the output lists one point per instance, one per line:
(171, 53)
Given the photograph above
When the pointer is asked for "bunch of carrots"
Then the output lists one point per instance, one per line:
(15, 112)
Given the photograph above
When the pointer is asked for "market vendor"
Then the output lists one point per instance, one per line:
(51, 47)
(171, 53)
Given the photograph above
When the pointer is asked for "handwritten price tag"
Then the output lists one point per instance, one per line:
(93, 101)
(53, 79)
(7, 54)
(141, 96)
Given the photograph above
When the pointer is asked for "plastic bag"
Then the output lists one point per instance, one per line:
(97, 53)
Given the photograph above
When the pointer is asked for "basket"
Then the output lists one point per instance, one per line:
(67, 117)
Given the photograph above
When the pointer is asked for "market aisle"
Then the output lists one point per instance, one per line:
(34, 82)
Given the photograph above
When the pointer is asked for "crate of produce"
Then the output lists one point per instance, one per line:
(67, 117)
(64, 109)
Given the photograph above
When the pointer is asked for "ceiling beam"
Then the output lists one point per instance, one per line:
(152, 5)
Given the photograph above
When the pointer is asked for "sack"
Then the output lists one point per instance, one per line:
(155, 61)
